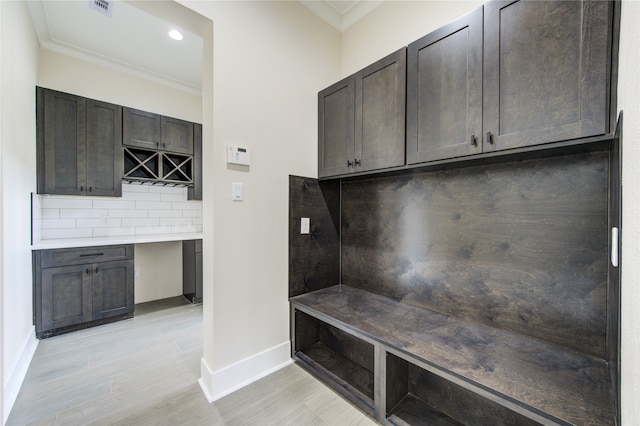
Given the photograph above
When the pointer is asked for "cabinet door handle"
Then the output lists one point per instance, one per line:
(91, 254)
(474, 141)
(490, 137)
(81, 188)
(349, 163)
(95, 271)
(90, 188)
(87, 271)
(357, 162)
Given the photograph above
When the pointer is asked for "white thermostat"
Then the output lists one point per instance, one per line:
(238, 155)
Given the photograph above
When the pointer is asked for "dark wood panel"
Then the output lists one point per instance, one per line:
(544, 378)
(336, 128)
(546, 71)
(444, 91)
(613, 292)
(380, 105)
(84, 255)
(66, 296)
(344, 355)
(62, 150)
(112, 289)
(521, 246)
(457, 402)
(177, 135)
(105, 162)
(314, 258)
(195, 191)
(140, 129)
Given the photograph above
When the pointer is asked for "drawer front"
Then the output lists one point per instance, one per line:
(81, 255)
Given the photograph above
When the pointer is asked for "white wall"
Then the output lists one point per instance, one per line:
(395, 24)
(629, 101)
(19, 65)
(162, 277)
(270, 60)
(67, 74)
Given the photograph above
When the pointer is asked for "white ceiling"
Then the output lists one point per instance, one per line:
(136, 42)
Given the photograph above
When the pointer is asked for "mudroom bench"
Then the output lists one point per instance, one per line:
(406, 365)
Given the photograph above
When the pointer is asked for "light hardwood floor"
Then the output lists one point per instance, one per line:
(143, 371)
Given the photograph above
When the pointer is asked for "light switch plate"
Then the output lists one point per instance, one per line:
(305, 225)
(237, 191)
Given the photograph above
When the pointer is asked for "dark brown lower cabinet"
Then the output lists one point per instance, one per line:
(80, 287)
(192, 270)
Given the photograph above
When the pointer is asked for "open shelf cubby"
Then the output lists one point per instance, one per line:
(344, 360)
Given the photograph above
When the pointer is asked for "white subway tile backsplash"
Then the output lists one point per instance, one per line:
(82, 213)
(55, 234)
(187, 205)
(48, 214)
(192, 213)
(166, 213)
(142, 210)
(114, 232)
(128, 213)
(179, 229)
(153, 230)
(153, 205)
(140, 222)
(131, 187)
(106, 222)
(175, 221)
(117, 203)
(143, 196)
(66, 203)
(58, 223)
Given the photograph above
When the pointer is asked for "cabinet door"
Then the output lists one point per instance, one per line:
(66, 296)
(62, 151)
(140, 129)
(104, 149)
(112, 289)
(177, 135)
(380, 102)
(546, 71)
(444, 91)
(195, 191)
(336, 124)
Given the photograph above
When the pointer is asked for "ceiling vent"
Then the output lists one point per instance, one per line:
(103, 6)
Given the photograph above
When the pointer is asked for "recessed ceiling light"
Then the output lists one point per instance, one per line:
(175, 34)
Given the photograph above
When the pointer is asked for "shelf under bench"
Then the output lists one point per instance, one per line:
(543, 382)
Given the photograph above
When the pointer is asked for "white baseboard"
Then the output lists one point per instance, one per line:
(18, 373)
(217, 384)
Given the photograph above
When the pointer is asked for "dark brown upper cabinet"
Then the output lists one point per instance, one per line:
(546, 71)
(509, 75)
(361, 119)
(147, 130)
(444, 92)
(78, 145)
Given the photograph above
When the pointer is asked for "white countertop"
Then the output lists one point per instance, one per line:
(106, 241)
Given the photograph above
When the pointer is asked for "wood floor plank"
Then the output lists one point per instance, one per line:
(144, 371)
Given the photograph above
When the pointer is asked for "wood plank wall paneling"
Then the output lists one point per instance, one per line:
(314, 259)
(520, 246)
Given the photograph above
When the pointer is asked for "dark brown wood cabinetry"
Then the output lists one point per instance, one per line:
(144, 129)
(509, 75)
(479, 283)
(80, 287)
(361, 119)
(159, 149)
(192, 270)
(79, 145)
(547, 71)
(444, 92)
